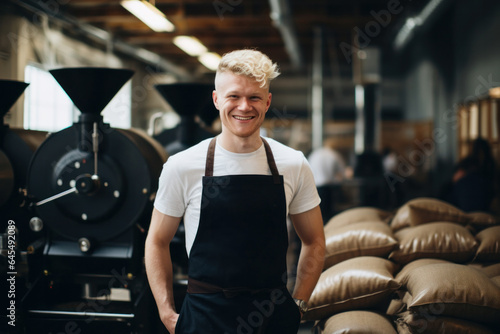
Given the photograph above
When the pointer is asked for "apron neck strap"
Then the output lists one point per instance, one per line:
(209, 166)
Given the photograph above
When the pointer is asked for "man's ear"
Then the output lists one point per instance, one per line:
(268, 104)
(214, 98)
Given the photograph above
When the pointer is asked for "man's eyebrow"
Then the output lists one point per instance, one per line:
(236, 92)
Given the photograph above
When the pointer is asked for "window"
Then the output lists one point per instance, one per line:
(479, 119)
(47, 107)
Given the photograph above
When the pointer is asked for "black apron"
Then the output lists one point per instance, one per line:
(237, 264)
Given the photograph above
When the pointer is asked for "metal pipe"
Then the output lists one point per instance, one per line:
(317, 90)
(282, 19)
(367, 137)
(103, 37)
(412, 24)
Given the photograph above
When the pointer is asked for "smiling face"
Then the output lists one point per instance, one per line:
(242, 105)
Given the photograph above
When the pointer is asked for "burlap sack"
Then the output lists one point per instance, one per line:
(496, 280)
(489, 245)
(357, 283)
(356, 215)
(359, 239)
(441, 240)
(413, 323)
(427, 210)
(490, 270)
(454, 290)
(481, 220)
(403, 274)
(396, 306)
(358, 322)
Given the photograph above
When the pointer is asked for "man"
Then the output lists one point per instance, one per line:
(235, 192)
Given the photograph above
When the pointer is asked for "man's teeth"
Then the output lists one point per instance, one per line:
(243, 118)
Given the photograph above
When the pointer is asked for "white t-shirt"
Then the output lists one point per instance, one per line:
(327, 166)
(180, 186)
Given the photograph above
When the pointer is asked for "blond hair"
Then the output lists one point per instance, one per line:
(249, 63)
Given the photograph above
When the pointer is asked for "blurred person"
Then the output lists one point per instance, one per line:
(472, 185)
(235, 192)
(389, 160)
(329, 168)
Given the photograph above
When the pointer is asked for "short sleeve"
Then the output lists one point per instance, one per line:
(170, 195)
(306, 195)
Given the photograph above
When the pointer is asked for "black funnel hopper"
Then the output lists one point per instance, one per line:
(11, 90)
(91, 88)
(186, 98)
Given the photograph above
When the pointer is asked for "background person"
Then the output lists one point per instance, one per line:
(328, 167)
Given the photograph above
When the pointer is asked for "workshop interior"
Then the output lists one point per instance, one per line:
(94, 99)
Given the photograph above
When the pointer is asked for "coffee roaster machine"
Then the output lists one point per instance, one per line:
(81, 199)
(192, 101)
(17, 147)
(91, 188)
(16, 239)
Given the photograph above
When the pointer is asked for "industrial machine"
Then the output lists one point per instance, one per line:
(16, 149)
(91, 189)
(193, 103)
(16, 238)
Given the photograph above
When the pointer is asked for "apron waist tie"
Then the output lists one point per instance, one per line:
(194, 286)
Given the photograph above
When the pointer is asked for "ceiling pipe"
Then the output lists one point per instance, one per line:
(103, 37)
(317, 90)
(418, 22)
(283, 20)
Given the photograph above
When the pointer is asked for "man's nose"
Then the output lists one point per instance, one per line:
(244, 104)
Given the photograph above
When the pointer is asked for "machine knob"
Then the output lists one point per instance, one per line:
(85, 245)
(36, 224)
(87, 184)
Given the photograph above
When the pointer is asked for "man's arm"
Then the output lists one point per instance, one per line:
(309, 228)
(159, 265)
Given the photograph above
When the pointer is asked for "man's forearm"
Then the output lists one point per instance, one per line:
(309, 269)
(160, 277)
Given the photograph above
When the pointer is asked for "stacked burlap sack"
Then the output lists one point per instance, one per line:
(427, 268)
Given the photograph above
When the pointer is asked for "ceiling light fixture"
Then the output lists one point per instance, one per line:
(149, 14)
(191, 45)
(210, 60)
(495, 92)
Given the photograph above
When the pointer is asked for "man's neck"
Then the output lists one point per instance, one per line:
(239, 144)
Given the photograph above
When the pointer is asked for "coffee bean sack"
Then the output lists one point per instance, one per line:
(443, 240)
(430, 268)
(398, 305)
(359, 239)
(454, 290)
(357, 215)
(427, 210)
(496, 280)
(489, 245)
(358, 322)
(405, 272)
(357, 283)
(490, 270)
(412, 323)
(481, 220)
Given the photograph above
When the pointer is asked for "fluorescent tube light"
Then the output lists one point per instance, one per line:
(149, 14)
(210, 60)
(191, 45)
